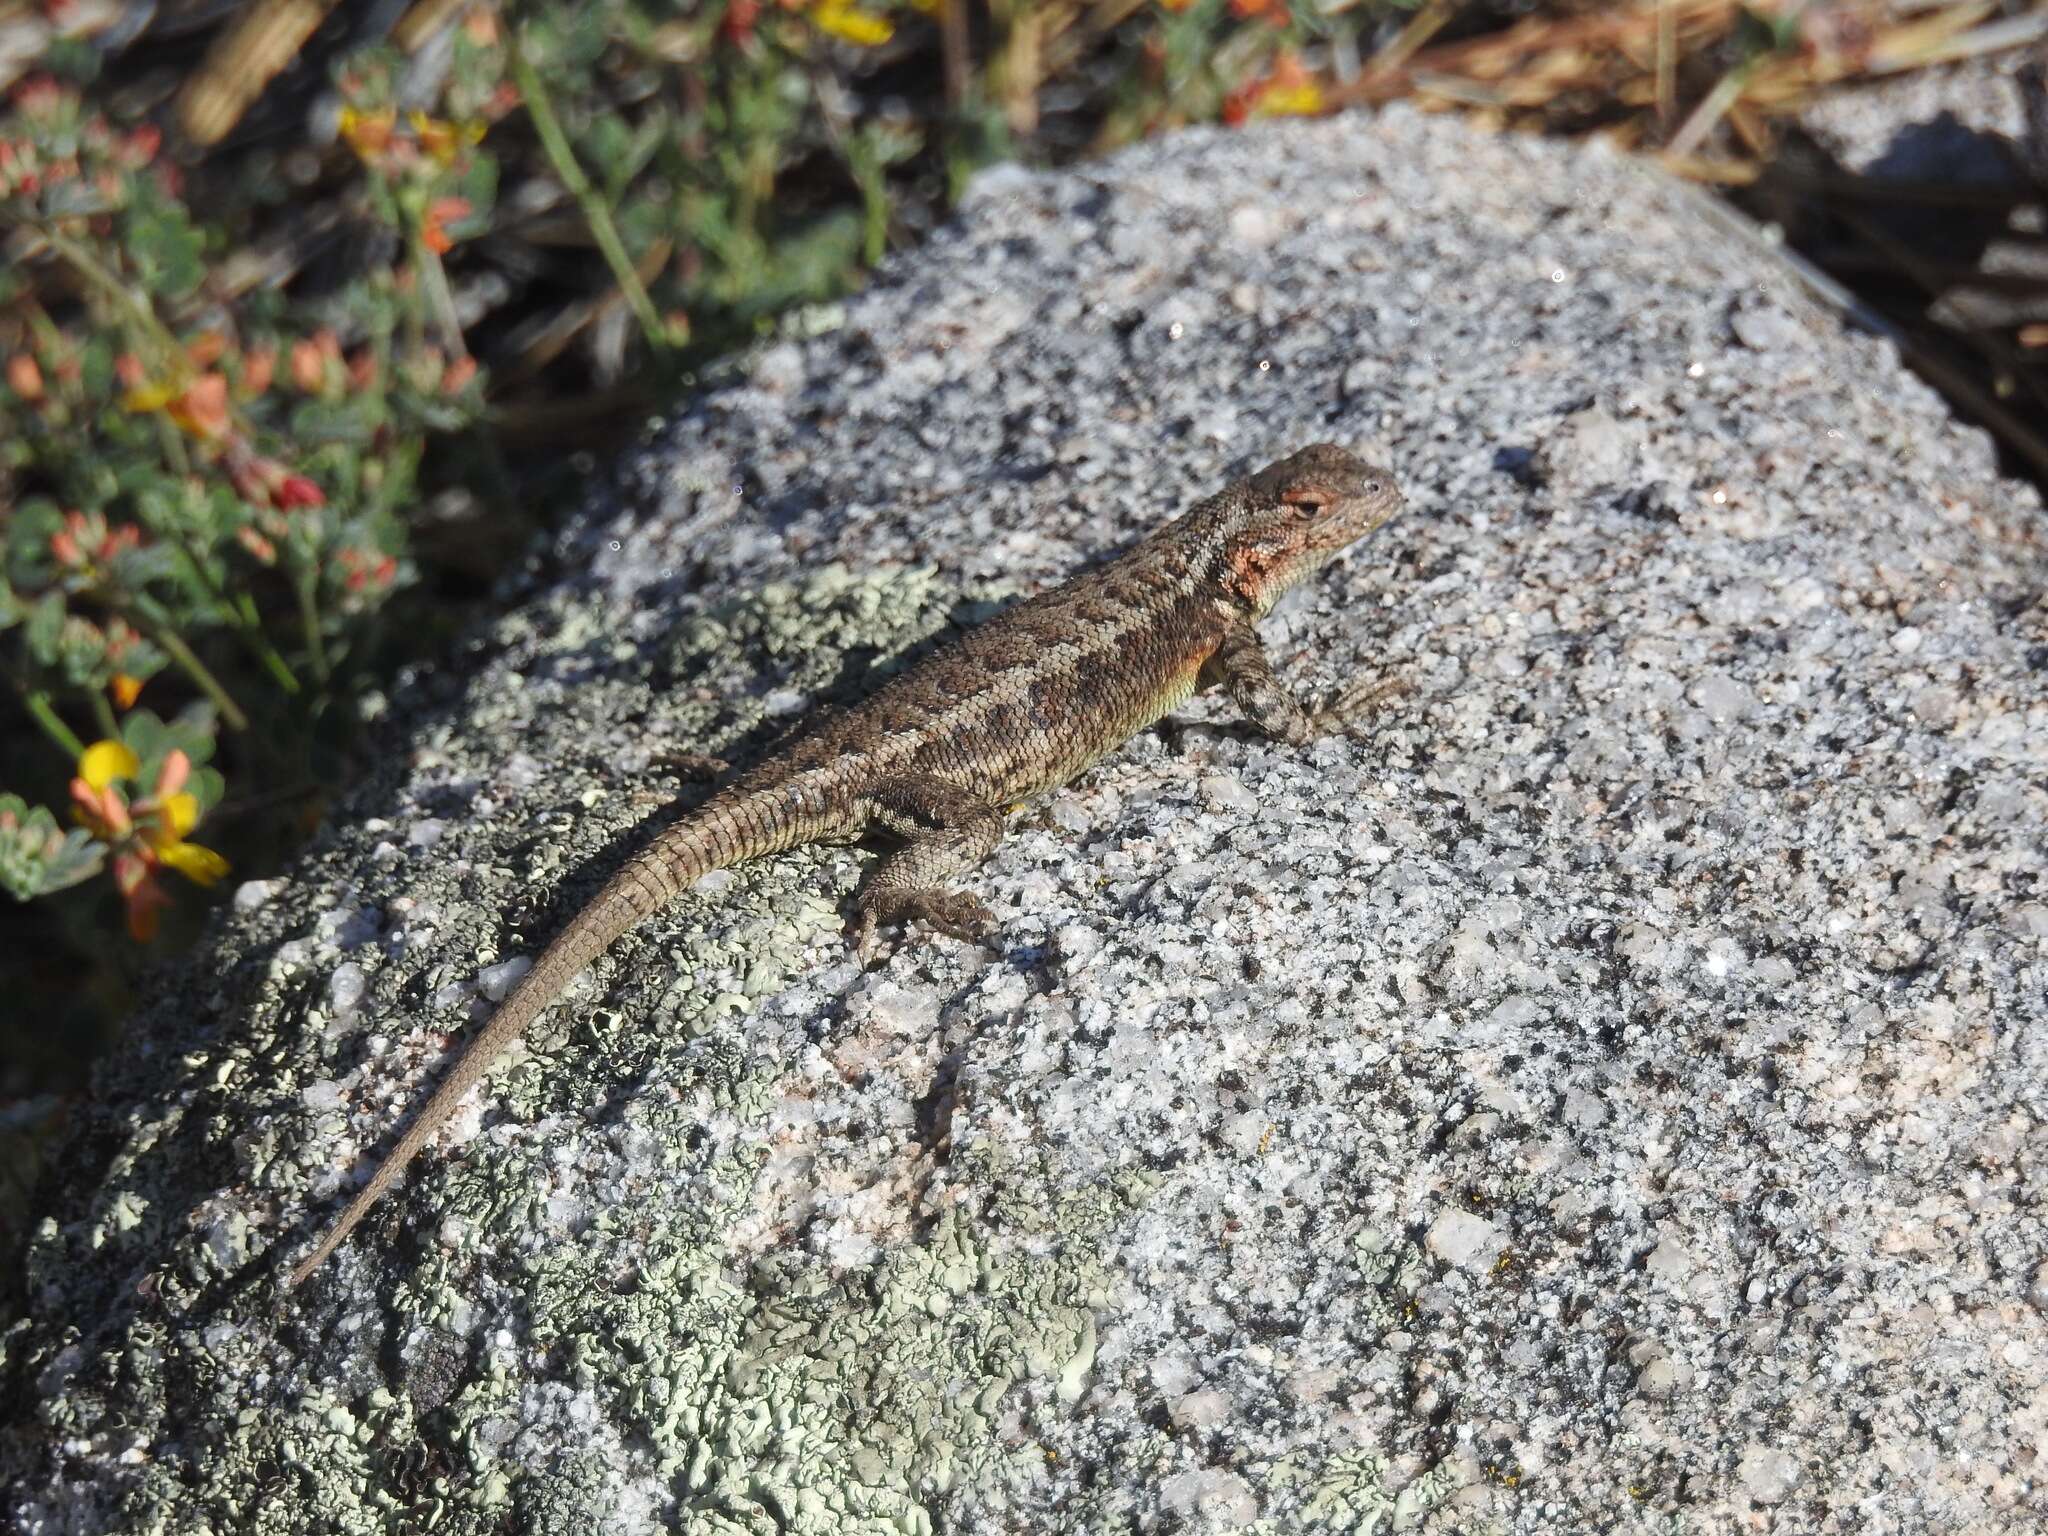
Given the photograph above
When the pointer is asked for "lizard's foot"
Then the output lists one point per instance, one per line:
(1350, 703)
(956, 914)
(685, 765)
(692, 765)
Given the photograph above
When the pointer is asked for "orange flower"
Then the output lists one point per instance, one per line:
(146, 834)
(144, 897)
(1286, 90)
(202, 410)
(442, 211)
(24, 377)
(365, 573)
(199, 408)
(312, 360)
(368, 133)
(259, 365)
(309, 369)
(85, 541)
(458, 374)
(141, 145)
(740, 16)
(444, 140)
(38, 95)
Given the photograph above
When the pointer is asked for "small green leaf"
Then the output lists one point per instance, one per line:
(208, 786)
(37, 856)
(28, 534)
(165, 249)
(337, 421)
(45, 632)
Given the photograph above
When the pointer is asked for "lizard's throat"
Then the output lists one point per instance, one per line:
(1260, 576)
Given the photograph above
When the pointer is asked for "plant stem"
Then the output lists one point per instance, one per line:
(45, 714)
(174, 444)
(168, 641)
(309, 618)
(410, 312)
(595, 213)
(243, 621)
(434, 279)
(249, 630)
(276, 665)
(88, 266)
(103, 715)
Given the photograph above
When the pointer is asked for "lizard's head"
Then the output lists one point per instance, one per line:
(1295, 515)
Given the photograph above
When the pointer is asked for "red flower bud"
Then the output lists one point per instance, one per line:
(298, 491)
(140, 147)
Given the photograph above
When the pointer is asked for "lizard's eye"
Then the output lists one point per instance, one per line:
(1306, 500)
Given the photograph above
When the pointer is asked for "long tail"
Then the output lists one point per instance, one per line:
(722, 833)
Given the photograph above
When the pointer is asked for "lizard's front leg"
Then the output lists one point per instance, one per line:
(1246, 673)
(946, 832)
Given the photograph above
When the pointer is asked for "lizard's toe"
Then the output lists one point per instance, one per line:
(1361, 697)
(867, 941)
(953, 913)
(960, 915)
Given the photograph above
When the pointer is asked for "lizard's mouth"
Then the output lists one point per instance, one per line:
(1355, 520)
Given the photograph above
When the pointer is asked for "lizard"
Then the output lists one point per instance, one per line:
(1011, 708)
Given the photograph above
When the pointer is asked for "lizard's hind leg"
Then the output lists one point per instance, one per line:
(946, 832)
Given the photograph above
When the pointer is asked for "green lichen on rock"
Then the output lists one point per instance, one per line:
(561, 1324)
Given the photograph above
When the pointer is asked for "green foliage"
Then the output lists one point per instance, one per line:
(210, 454)
(36, 856)
(191, 732)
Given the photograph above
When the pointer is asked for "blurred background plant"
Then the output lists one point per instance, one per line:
(312, 314)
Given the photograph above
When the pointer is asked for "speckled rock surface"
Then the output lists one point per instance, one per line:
(1940, 123)
(1605, 1094)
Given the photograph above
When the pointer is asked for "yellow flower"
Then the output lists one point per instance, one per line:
(368, 133)
(150, 397)
(1304, 100)
(177, 814)
(442, 139)
(199, 406)
(202, 866)
(843, 21)
(146, 834)
(105, 761)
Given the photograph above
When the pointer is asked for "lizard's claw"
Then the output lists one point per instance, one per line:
(867, 944)
(1356, 700)
(956, 914)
